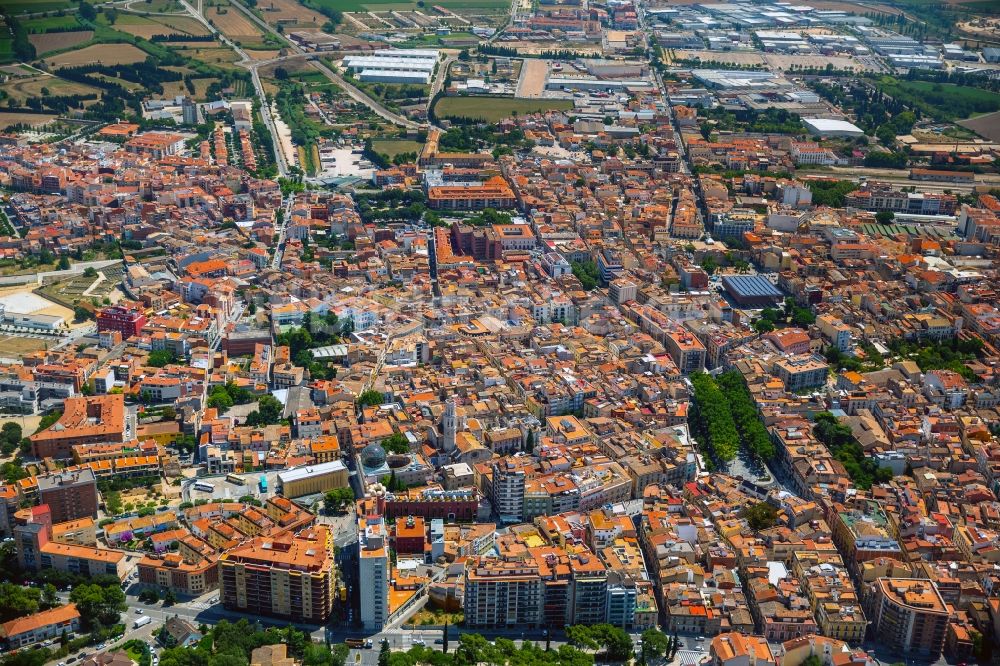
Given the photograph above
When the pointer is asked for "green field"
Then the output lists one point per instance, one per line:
(392, 147)
(494, 109)
(46, 23)
(32, 6)
(398, 5)
(942, 101)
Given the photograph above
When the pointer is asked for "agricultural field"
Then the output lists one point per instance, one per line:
(286, 11)
(43, 86)
(149, 26)
(392, 147)
(397, 5)
(258, 54)
(57, 41)
(159, 6)
(942, 101)
(32, 6)
(233, 23)
(174, 88)
(217, 56)
(46, 23)
(107, 54)
(987, 125)
(495, 109)
(37, 119)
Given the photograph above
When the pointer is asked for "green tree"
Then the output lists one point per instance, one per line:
(10, 437)
(17, 601)
(335, 499)
(81, 313)
(396, 443)
(384, 654)
(884, 216)
(160, 358)
(760, 516)
(98, 606)
(712, 420)
(169, 597)
(586, 272)
(63, 264)
(268, 412)
(220, 399)
(50, 596)
(370, 398)
(655, 645)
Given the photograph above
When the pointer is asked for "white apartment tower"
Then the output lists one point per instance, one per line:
(373, 565)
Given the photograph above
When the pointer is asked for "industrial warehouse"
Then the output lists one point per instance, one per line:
(395, 65)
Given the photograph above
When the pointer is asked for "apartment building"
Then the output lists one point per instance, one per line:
(910, 617)
(834, 330)
(37, 548)
(69, 494)
(884, 198)
(507, 491)
(284, 576)
(85, 420)
(503, 594)
(126, 320)
(373, 569)
(494, 193)
(49, 624)
(183, 575)
(800, 373)
(686, 350)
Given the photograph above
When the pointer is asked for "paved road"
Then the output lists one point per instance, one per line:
(362, 98)
(298, 52)
(279, 251)
(442, 74)
(248, 62)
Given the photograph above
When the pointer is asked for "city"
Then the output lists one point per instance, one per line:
(563, 333)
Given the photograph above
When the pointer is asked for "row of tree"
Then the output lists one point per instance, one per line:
(712, 421)
(753, 435)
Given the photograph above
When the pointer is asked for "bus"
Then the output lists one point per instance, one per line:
(234, 478)
(263, 483)
(204, 487)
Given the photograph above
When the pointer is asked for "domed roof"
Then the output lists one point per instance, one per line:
(373, 456)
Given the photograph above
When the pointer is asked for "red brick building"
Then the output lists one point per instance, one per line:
(127, 321)
(411, 535)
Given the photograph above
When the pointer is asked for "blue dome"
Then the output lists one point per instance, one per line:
(373, 456)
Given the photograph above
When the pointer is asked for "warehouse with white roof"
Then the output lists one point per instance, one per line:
(395, 65)
(827, 127)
